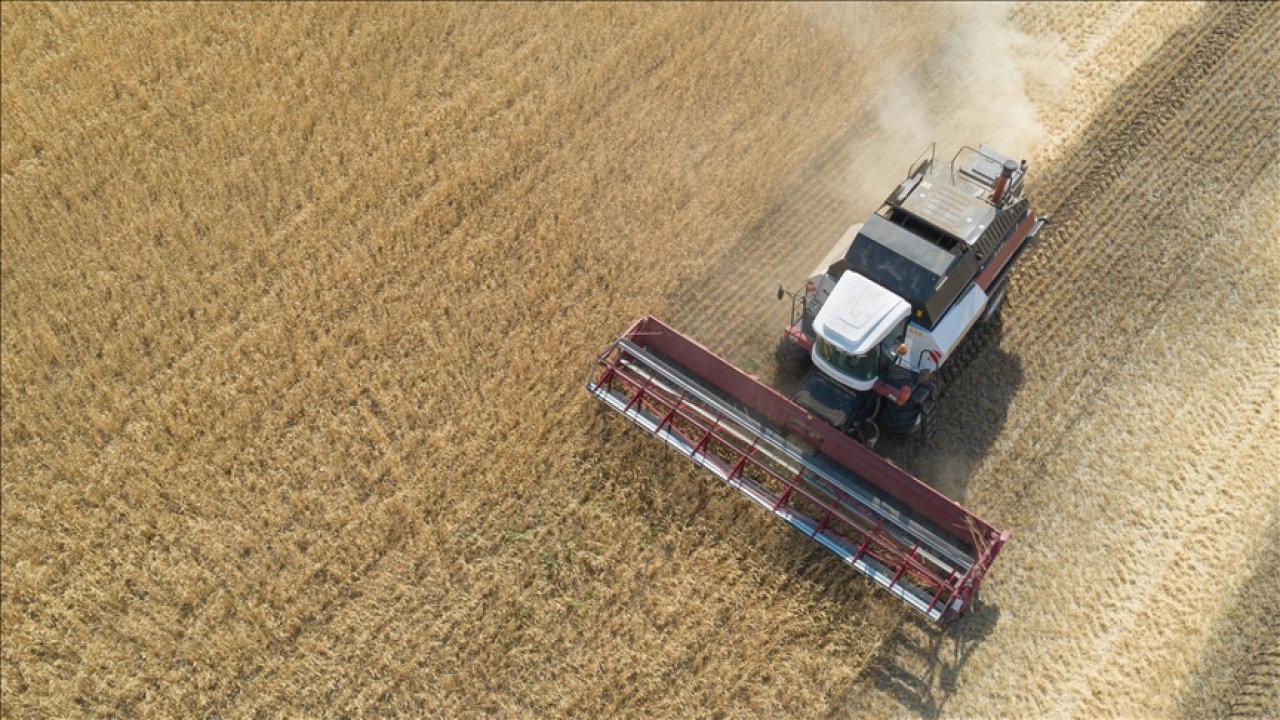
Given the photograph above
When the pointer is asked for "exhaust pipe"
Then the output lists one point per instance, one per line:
(1002, 182)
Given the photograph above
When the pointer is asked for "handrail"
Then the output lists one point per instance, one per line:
(916, 165)
(976, 151)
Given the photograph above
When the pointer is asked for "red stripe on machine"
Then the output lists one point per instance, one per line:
(998, 263)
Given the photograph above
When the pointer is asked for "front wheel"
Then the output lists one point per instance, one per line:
(790, 356)
(899, 419)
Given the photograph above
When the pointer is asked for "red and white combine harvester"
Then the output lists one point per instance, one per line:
(875, 323)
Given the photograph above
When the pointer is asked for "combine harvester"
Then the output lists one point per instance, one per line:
(875, 323)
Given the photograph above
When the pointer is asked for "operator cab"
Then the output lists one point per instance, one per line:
(858, 330)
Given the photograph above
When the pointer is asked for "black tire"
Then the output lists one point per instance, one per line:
(997, 302)
(982, 336)
(791, 358)
(931, 394)
(898, 419)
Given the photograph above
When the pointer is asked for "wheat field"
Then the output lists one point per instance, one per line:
(298, 303)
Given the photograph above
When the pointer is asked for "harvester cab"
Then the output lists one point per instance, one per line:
(859, 336)
(900, 291)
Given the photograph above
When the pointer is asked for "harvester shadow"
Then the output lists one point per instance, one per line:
(921, 662)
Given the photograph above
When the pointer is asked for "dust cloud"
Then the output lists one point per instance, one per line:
(955, 75)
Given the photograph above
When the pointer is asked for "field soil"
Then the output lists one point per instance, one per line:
(298, 303)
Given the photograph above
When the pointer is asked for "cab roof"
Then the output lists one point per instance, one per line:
(858, 314)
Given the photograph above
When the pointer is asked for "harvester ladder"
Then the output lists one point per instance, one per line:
(929, 413)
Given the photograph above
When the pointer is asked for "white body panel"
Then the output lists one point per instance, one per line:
(944, 338)
(854, 314)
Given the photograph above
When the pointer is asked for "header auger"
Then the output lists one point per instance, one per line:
(876, 321)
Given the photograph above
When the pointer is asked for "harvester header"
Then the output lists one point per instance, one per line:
(902, 534)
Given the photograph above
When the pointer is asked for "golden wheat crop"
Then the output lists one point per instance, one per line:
(297, 305)
(298, 301)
